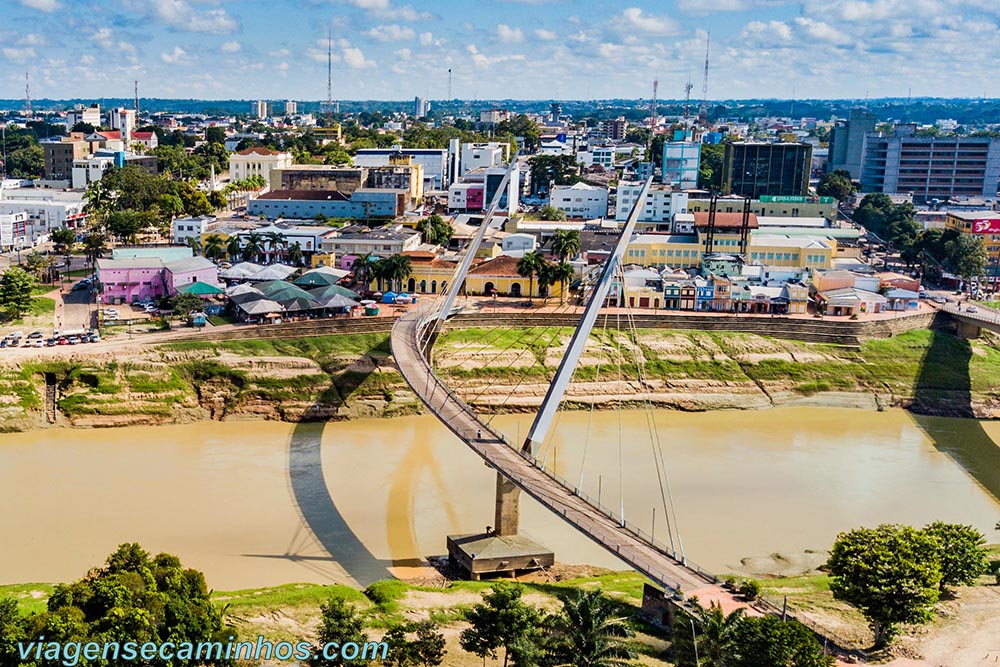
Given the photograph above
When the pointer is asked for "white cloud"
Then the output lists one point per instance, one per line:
(282, 67)
(18, 55)
(391, 33)
(384, 9)
(426, 39)
(633, 19)
(32, 39)
(180, 15)
(178, 57)
(231, 46)
(280, 53)
(41, 5)
(355, 58)
(822, 32)
(545, 35)
(509, 35)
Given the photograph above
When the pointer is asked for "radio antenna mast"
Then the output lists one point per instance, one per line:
(27, 96)
(703, 110)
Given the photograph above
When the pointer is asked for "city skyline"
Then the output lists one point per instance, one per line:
(516, 49)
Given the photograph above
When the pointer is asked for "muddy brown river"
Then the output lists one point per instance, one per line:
(257, 504)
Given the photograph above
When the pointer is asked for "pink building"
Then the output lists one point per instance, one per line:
(474, 199)
(130, 280)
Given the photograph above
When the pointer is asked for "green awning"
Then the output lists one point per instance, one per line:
(199, 288)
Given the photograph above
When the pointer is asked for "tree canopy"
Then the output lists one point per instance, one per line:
(16, 285)
(890, 573)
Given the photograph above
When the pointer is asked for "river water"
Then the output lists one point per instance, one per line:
(256, 504)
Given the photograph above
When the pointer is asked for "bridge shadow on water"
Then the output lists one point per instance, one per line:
(944, 386)
(340, 550)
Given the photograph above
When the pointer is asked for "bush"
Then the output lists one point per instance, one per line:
(385, 593)
(750, 589)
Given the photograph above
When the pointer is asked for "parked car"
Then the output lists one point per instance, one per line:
(80, 287)
(62, 340)
(35, 334)
(972, 309)
(95, 337)
(939, 299)
(51, 342)
(3, 343)
(74, 340)
(922, 294)
(38, 343)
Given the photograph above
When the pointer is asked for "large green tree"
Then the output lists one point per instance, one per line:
(136, 597)
(890, 573)
(435, 230)
(13, 629)
(710, 170)
(566, 244)
(504, 621)
(16, 285)
(961, 552)
(836, 184)
(548, 170)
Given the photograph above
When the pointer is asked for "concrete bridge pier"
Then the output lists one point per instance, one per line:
(508, 507)
(966, 329)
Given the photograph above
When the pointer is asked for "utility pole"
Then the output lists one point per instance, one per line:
(136, 100)
(449, 84)
(687, 100)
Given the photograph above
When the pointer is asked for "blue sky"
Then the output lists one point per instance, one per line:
(531, 49)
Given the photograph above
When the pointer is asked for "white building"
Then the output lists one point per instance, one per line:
(662, 202)
(45, 209)
(123, 120)
(433, 160)
(14, 231)
(182, 229)
(599, 155)
(257, 161)
(259, 109)
(553, 148)
(518, 244)
(90, 115)
(420, 107)
(89, 170)
(580, 200)
(148, 140)
(681, 162)
(291, 107)
(474, 156)
(494, 116)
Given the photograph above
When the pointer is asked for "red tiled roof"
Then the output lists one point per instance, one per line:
(143, 135)
(724, 220)
(503, 266)
(111, 134)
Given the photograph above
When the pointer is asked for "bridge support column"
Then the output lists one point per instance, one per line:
(967, 329)
(508, 507)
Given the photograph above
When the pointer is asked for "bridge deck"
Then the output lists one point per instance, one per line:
(466, 424)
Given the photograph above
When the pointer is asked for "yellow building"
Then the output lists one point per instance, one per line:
(429, 274)
(686, 251)
(500, 276)
(792, 251)
(966, 221)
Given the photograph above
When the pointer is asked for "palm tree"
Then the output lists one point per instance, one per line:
(215, 248)
(234, 248)
(366, 269)
(194, 243)
(398, 269)
(530, 264)
(275, 243)
(94, 245)
(561, 273)
(566, 244)
(590, 632)
(718, 634)
(253, 247)
(295, 254)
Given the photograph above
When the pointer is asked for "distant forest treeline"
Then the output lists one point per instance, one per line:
(965, 111)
